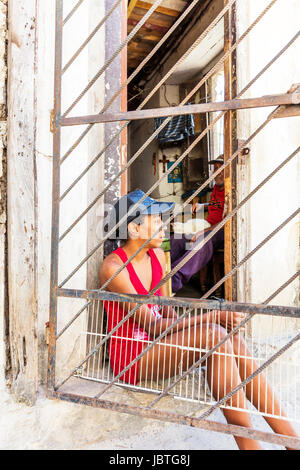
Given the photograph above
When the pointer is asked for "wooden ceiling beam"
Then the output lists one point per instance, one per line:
(130, 7)
(156, 18)
(140, 48)
(149, 26)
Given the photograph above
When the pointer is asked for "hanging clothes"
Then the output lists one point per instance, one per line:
(179, 128)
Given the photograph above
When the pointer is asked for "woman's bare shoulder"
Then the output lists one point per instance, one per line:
(109, 266)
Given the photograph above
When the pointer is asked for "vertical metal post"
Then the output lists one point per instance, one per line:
(55, 194)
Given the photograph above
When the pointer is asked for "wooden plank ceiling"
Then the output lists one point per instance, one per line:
(154, 29)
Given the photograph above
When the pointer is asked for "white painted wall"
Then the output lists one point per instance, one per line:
(83, 237)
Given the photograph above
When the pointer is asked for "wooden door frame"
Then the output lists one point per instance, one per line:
(230, 146)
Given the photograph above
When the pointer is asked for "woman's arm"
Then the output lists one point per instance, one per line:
(167, 311)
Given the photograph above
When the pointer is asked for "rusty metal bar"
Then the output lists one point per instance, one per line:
(251, 253)
(135, 156)
(212, 350)
(175, 213)
(90, 36)
(102, 341)
(255, 310)
(162, 335)
(233, 331)
(201, 37)
(139, 300)
(116, 53)
(273, 60)
(151, 189)
(55, 202)
(73, 319)
(252, 376)
(75, 8)
(208, 304)
(124, 126)
(230, 429)
(235, 104)
(222, 223)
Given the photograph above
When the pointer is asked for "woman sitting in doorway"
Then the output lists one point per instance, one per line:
(141, 276)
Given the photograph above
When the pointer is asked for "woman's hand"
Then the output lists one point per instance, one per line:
(194, 207)
(169, 312)
(230, 319)
(197, 235)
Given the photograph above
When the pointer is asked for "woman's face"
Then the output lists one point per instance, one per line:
(148, 227)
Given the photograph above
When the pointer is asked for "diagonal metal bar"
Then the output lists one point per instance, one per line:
(206, 356)
(217, 66)
(282, 287)
(116, 53)
(222, 223)
(185, 204)
(73, 319)
(159, 338)
(273, 60)
(149, 140)
(88, 39)
(250, 254)
(188, 257)
(228, 336)
(55, 203)
(131, 313)
(75, 8)
(148, 348)
(104, 340)
(176, 213)
(152, 52)
(201, 37)
(252, 376)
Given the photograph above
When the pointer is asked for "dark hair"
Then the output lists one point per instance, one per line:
(119, 233)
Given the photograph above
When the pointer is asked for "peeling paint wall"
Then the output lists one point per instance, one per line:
(4, 353)
(279, 259)
(31, 44)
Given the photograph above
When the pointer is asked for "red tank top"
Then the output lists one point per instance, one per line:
(130, 339)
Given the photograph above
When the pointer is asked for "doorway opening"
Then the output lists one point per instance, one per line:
(182, 131)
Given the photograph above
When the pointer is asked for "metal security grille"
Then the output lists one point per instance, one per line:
(195, 386)
(274, 357)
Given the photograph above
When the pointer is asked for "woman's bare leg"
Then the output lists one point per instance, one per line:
(224, 376)
(220, 383)
(259, 392)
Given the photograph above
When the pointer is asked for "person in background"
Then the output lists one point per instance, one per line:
(201, 257)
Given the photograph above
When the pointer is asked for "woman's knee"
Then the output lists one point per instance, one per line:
(239, 345)
(216, 334)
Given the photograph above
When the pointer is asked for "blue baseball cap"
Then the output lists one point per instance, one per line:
(148, 206)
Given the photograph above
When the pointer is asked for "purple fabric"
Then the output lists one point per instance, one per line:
(181, 247)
